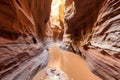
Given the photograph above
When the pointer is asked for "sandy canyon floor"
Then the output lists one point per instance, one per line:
(64, 65)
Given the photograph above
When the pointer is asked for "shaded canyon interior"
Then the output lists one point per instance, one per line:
(88, 28)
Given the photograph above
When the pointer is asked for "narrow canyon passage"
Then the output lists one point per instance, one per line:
(59, 39)
(59, 60)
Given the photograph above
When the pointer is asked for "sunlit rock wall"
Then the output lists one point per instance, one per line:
(107, 32)
(56, 22)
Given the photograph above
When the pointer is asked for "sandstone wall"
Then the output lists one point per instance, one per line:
(24, 18)
(22, 31)
(95, 24)
(107, 32)
(80, 17)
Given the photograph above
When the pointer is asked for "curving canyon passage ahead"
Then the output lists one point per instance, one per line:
(59, 39)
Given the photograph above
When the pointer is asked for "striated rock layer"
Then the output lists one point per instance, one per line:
(22, 31)
(80, 17)
(24, 18)
(107, 29)
(106, 36)
(94, 24)
(25, 31)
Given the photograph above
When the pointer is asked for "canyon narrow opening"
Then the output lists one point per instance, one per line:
(57, 18)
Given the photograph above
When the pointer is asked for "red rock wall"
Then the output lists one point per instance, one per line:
(23, 18)
(98, 17)
(107, 29)
(80, 17)
(106, 37)
(95, 24)
(23, 22)
(22, 28)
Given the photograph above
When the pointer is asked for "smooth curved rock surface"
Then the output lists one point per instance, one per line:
(92, 25)
(107, 32)
(80, 17)
(22, 33)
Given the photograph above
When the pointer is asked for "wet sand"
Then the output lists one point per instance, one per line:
(72, 65)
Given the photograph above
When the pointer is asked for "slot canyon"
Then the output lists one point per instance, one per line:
(59, 39)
